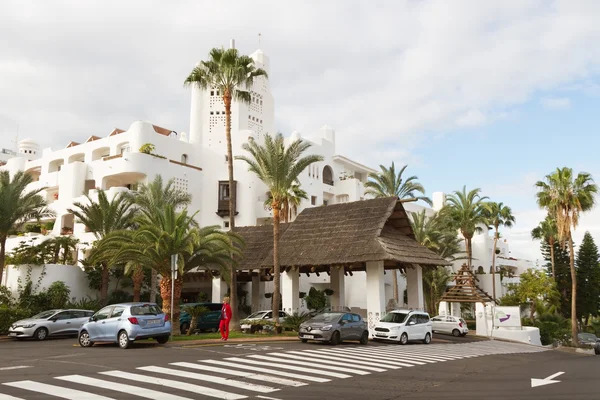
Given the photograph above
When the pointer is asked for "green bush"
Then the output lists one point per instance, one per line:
(553, 327)
(34, 228)
(8, 315)
(6, 297)
(294, 321)
(58, 294)
(119, 296)
(316, 299)
(84, 304)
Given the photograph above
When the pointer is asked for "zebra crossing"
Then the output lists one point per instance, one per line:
(251, 376)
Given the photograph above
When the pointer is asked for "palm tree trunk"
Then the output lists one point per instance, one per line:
(574, 291)
(104, 284)
(193, 324)
(395, 283)
(138, 280)
(2, 256)
(235, 323)
(276, 266)
(532, 310)
(153, 282)
(494, 265)
(551, 242)
(165, 293)
(468, 248)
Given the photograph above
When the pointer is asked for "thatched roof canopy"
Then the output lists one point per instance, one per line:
(341, 234)
(259, 243)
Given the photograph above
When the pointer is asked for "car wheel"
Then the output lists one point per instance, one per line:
(84, 339)
(162, 339)
(335, 338)
(404, 338)
(456, 333)
(427, 339)
(40, 334)
(304, 340)
(364, 339)
(123, 339)
(184, 328)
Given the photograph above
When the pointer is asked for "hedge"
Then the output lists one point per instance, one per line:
(8, 315)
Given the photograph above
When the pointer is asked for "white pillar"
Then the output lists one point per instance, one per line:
(219, 289)
(337, 284)
(258, 293)
(414, 287)
(443, 308)
(290, 291)
(455, 309)
(375, 293)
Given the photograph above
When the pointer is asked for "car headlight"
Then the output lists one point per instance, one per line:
(395, 328)
(326, 328)
(29, 326)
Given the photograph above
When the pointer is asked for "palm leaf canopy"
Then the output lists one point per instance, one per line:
(278, 166)
(466, 210)
(228, 72)
(18, 204)
(499, 214)
(546, 230)
(389, 183)
(155, 195)
(104, 216)
(436, 234)
(565, 196)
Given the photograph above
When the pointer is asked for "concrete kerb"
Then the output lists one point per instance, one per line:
(219, 342)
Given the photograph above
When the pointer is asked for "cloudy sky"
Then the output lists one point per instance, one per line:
(492, 94)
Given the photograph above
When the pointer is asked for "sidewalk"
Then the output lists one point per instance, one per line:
(213, 342)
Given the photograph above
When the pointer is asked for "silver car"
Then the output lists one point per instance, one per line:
(50, 323)
(125, 323)
(334, 328)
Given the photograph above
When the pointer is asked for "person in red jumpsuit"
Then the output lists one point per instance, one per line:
(225, 318)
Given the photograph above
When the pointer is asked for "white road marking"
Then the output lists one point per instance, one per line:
(120, 387)
(266, 370)
(315, 371)
(310, 364)
(369, 356)
(7, 397)
(58, 391)
(249, 375)
(210, 378)
(315, 360)
(15, 367)
(266, 398)
(188, 387)
(349, 358)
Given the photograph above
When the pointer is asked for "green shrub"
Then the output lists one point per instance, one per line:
(6, 297)
(58, 294)
(8, 315)
(84, 304)
(316, 299)
(119, 296)
(294, 321)
(147, 148)
(34, 228)
(553, 327)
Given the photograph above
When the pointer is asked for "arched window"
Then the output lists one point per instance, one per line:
(328, 175)
(184, 158)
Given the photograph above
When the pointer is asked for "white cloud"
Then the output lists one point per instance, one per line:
(471, 118)
(556, 103)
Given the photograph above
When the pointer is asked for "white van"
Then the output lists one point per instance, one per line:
(404, 326)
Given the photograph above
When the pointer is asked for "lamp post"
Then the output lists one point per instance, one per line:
(173, 277)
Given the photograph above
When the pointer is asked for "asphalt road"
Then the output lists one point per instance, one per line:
(449, 368)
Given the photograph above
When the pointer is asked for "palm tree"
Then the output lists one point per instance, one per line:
(102, 217)
(547, 231)
(289, 207)
(498, 215)
(467, 212)
(387, 184)
(436, 234)
(155, 241)
(65, 244)
(153, 196)
(17, 206)
(232, 76)
(278, 167)
(566, 197)
(195, 311)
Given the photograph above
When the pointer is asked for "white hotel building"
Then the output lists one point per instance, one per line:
(197, 162)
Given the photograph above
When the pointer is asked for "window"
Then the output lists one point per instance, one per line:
(313, 200)
(268, 315)
(225, 224)
(223, 190)
(355, 318)
(63, 315)
(184, 158)
(325, 202)
(212, 93)
(212, 113)
(117, 312)
(412, 319)
(437, 319)
(103, 314)
(146, 309)
(422, 319)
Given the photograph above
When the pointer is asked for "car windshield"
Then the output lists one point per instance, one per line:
(259, 314)
(146, 309)
(44, 315)
(326, 317)
(394, 317)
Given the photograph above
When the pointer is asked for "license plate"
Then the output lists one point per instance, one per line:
(308, 337)
(12, 334)
(153, 322)
(380, 334)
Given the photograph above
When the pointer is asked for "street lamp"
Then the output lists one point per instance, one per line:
(173, 277)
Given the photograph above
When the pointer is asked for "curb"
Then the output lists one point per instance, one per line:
(215, 342)
(5, 338)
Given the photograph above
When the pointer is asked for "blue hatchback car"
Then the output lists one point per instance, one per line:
(125, 323)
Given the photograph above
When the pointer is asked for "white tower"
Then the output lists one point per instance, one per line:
(29, 149)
